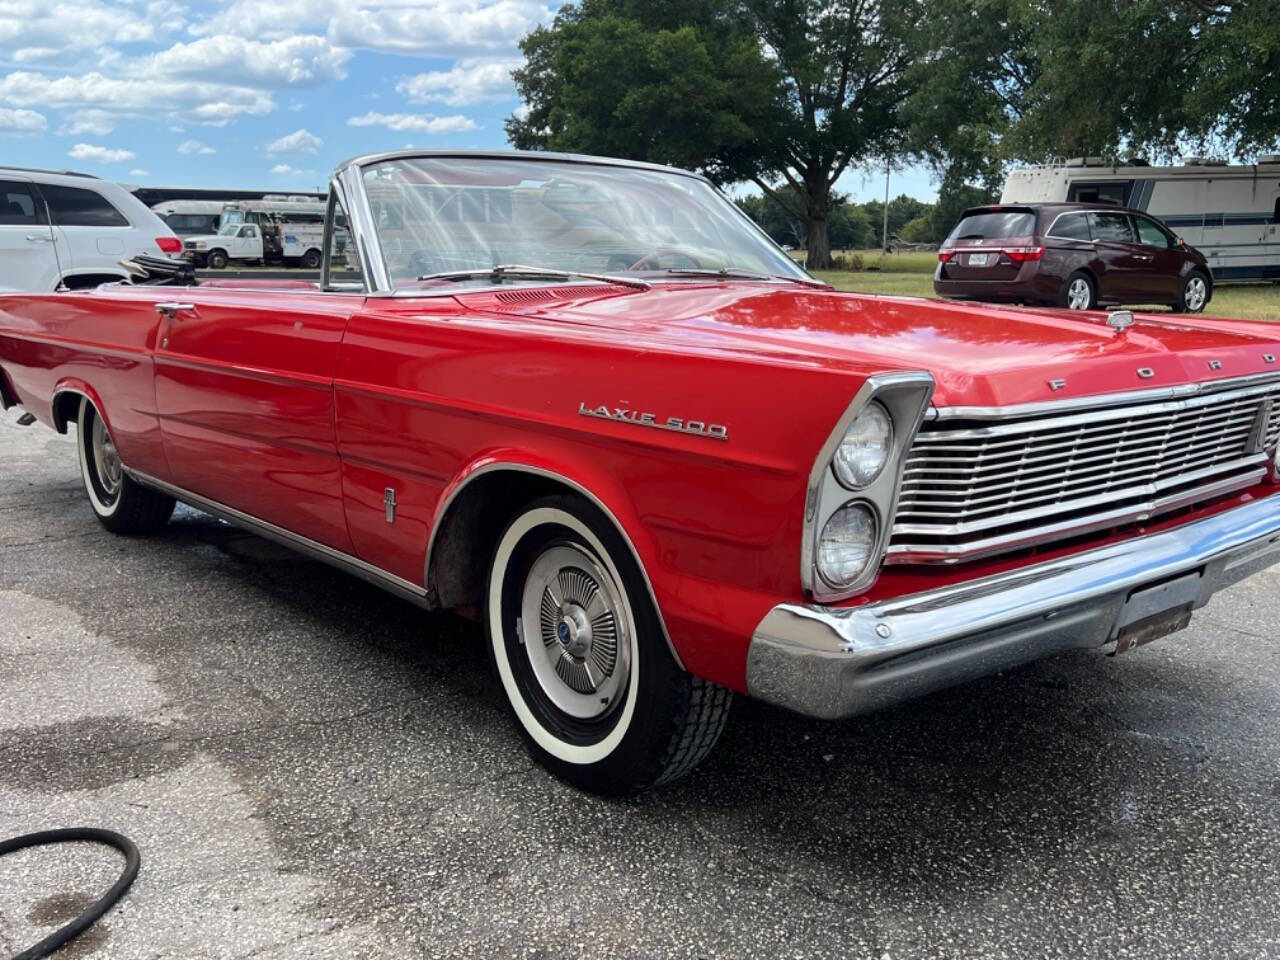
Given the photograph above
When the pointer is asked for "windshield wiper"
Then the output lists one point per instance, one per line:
(501, 271)
(734, 273)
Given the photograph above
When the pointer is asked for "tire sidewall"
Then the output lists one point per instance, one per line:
(84, 427)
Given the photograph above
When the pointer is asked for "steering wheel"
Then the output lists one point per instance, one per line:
(649, 260)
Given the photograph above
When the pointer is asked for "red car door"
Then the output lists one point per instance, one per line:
(244, 391)
(1120, 264)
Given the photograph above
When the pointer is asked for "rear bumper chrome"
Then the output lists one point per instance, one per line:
(835, 662)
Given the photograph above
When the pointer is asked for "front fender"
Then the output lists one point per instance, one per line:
(707, 622)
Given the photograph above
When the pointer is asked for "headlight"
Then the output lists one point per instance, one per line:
(846, 545)
(200, 245)
(865, 448)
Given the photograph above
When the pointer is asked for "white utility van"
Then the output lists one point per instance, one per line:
(288, 230)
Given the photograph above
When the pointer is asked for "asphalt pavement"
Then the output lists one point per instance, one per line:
(313, 768)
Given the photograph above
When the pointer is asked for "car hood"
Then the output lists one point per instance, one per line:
(978, 354)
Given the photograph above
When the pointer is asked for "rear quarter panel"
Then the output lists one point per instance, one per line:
(91, 344)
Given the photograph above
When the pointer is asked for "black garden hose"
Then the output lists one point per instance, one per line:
(104, 903)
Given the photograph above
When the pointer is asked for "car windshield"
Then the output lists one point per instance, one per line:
(454, 215)
(1004, 223)
(229, 230)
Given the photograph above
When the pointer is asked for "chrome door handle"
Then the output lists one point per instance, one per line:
(37, 238)
(171, 309)
(1144, 258)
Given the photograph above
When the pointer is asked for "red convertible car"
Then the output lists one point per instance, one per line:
(590, 403)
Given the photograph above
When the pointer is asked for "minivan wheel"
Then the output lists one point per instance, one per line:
(1078, 293)
(581, 657)
(1194, 293)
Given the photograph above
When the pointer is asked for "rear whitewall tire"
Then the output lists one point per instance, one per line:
(120, 503)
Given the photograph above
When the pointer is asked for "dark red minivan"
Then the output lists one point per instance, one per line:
(1070, 255)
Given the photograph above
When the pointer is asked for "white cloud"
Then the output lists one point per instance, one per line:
(88, 121)
(139, 173)
(199, 101)
(470, 81)
(297, 61)
(270, 21)
(300, 141)
(35, 54)
(443, 28)
(33, 28)
(87, 151)
(419, 123)
(191, 147)
(22, 121)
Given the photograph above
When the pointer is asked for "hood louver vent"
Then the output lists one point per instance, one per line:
(548, 294)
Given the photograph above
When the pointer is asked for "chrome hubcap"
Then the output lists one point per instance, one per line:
(573, 628)
(106, 462)
(1078, 294)
(1195, 295)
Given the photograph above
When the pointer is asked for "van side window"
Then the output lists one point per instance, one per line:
(1111, 227)
(18, 205)
(1150, 234)
(1071, 226)
(73, 207)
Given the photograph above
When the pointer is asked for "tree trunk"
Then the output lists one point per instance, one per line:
(817, 247)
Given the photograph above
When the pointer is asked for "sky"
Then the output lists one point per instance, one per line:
(267, 95)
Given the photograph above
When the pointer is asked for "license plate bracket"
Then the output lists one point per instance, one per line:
(1154, 612)
(1152, 628)
(978, 259)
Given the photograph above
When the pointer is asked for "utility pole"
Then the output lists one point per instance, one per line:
(884, 232)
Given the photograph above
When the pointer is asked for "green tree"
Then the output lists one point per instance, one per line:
(1034, 80)
(783, 93)
(902, 210)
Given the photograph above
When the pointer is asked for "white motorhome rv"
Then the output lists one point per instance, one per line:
(1230, 213)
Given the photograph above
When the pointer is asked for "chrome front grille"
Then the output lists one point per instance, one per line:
(975, 485)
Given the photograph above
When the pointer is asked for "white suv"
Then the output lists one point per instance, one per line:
(72, 230)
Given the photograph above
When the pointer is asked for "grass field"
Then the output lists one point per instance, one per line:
(911, 275)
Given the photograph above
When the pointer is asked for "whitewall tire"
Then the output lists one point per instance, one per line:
(121, 504)
(581, 657)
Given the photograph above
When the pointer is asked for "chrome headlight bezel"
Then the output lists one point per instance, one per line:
(905, 397)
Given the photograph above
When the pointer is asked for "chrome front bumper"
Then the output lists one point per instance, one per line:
(836, 662)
